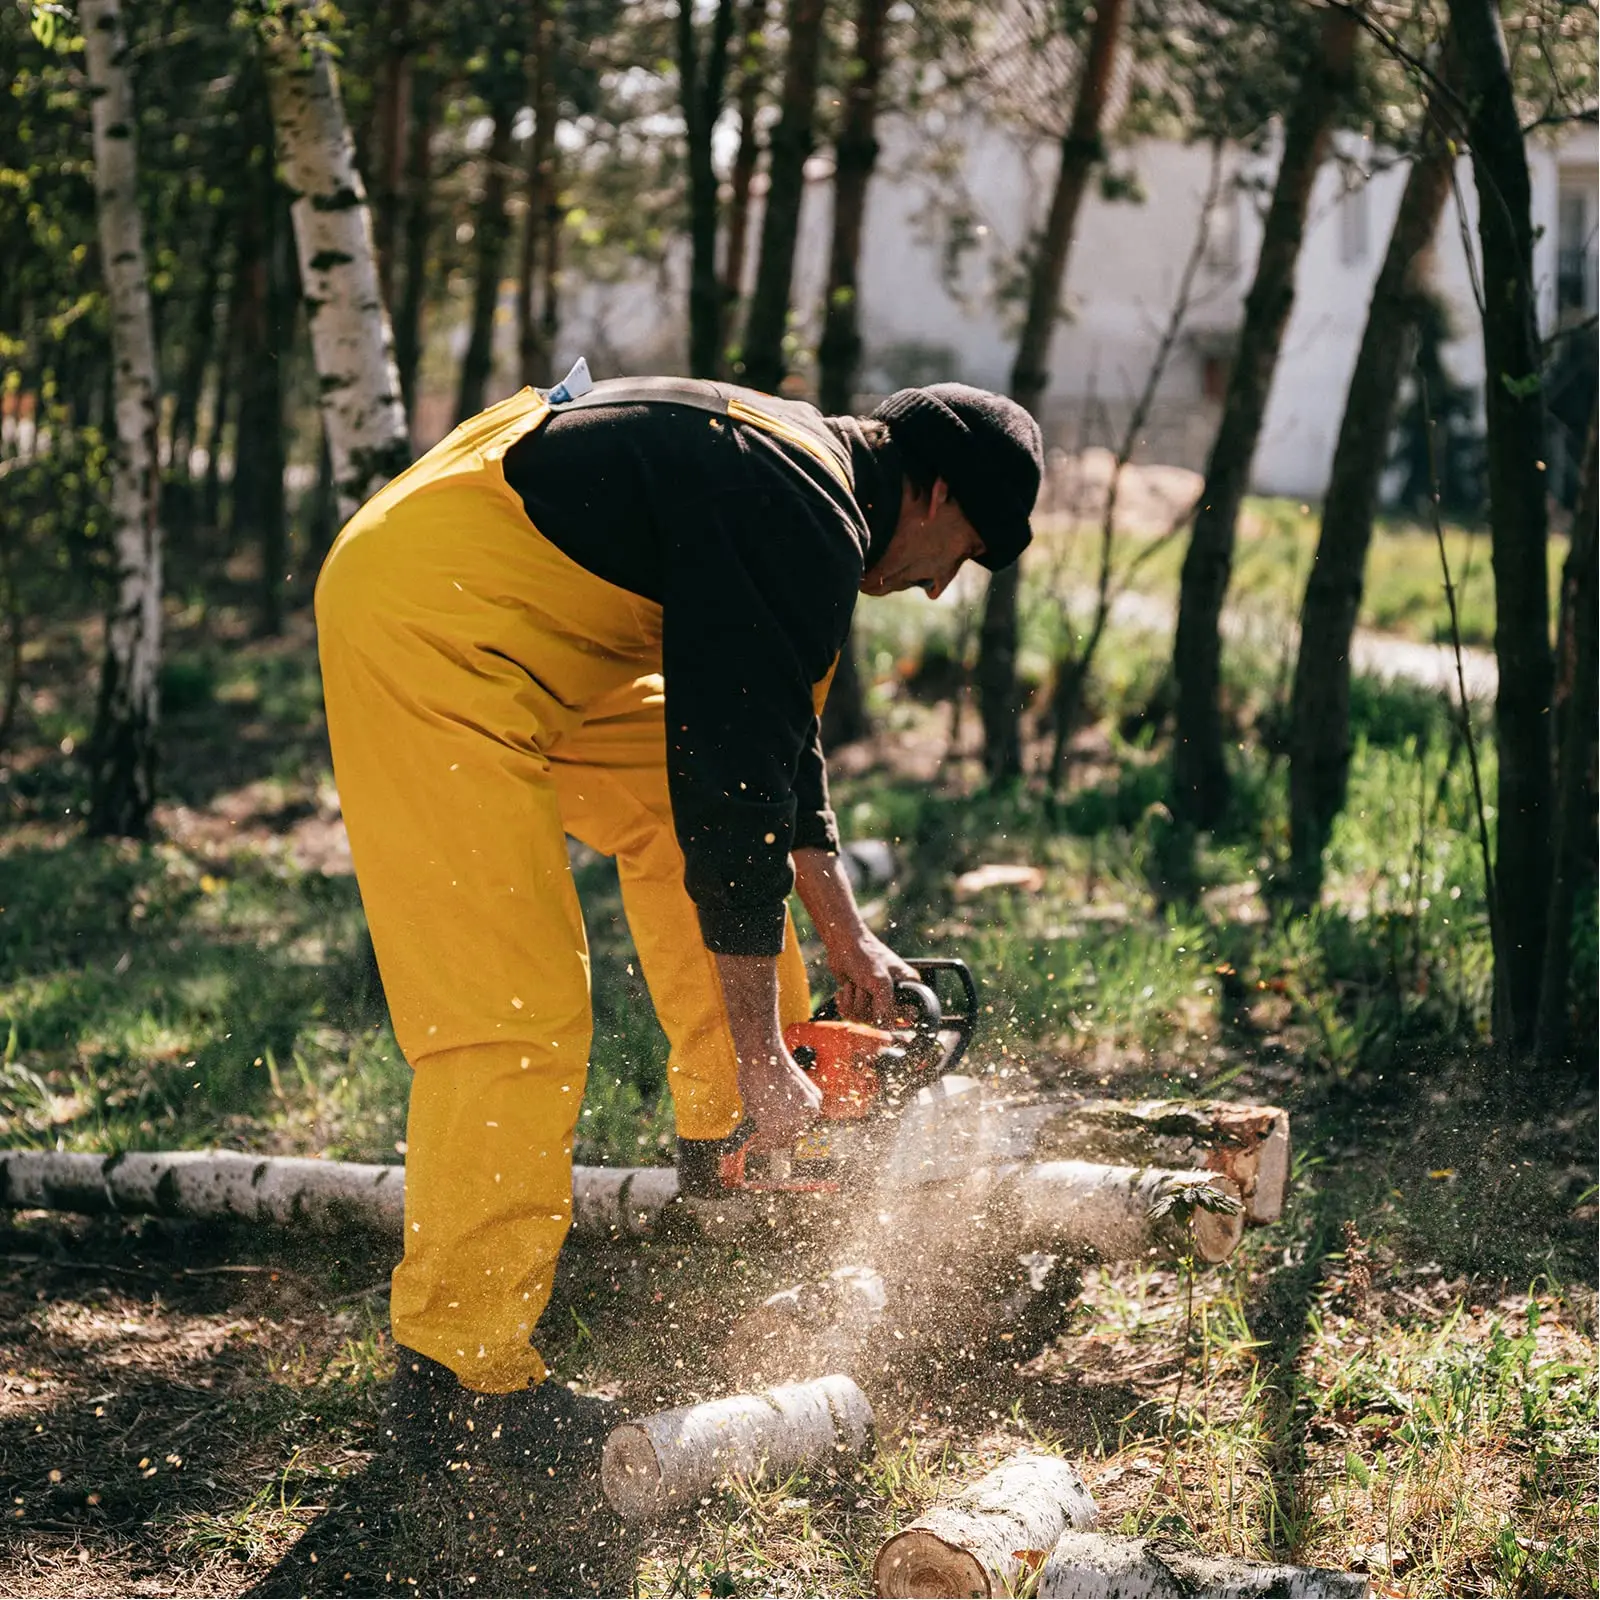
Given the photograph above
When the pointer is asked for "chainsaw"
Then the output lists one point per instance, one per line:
(866, 1075)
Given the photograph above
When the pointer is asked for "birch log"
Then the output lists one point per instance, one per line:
(992, 1537)
(351, 342)
(223, 1184)
(1083, 1208)
(658, 1464)
(950, 1128)
(1086, 1565)
(207, 1185)
(1247, 1144)
(124, 745)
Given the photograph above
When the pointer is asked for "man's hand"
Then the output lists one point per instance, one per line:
(866, 971)
(864, 967)
(778, 1096)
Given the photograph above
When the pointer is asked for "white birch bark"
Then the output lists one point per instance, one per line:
(1093, 1566)
(992, 1537)
(1081, 1207)
(658, 1464)
(124, 757)
(207, 1184)
(288, 1190)
(351, 340)
(950, 1128)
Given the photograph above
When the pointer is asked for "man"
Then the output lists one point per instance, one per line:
(613, 617)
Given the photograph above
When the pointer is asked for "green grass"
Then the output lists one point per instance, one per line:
(1404, 590)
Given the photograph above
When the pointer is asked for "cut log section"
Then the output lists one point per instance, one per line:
(951, 1127)
(1086, 1209)
(1248, 1144)
(992, 1537)
(659, 1464)
(1087, 1566)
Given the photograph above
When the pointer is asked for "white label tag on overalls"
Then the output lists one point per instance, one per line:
(575, 384)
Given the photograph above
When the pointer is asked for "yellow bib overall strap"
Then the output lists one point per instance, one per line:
(791, 421)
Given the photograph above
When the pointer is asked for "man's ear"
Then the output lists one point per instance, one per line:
(937, 496)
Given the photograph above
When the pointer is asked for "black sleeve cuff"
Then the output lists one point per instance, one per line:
(735, 930)
(817, 830)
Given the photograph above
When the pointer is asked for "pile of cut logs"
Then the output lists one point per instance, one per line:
(1028, 1522)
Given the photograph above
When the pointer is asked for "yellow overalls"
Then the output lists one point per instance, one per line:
(487, 696)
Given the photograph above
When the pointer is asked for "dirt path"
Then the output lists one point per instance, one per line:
(1378, 655)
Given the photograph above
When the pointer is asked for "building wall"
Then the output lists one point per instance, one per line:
(921, 323)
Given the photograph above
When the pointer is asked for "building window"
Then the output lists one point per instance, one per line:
(1353, 225)
(1575, 251)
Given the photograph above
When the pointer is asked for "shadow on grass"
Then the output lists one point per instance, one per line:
(146, 1002)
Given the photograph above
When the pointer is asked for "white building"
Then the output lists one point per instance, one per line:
(1121, 282)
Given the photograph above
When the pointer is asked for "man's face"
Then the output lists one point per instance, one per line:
(931, 542)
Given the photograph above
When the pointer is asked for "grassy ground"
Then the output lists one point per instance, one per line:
(1399, 1377)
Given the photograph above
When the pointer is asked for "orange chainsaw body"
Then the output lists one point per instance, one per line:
(863, 1073)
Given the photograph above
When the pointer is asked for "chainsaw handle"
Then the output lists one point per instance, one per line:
(918, 1007)
(963, 1022)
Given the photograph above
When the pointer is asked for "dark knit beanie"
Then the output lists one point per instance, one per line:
(988, 450)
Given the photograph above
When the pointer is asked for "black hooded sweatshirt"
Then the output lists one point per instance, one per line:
(754, 550)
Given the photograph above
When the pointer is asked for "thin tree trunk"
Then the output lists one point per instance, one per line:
(1081, 149)
(390, 115)
(199, 347)
(351, 345)
(1319, 731)
(222, 409)
(419, 227)
(701, 92)
(839, 352)
(550, 288)
(1576, 712)
(1199, 773)
(534, 360)
(259, 510)
(752, 77)
(123, 750)
(490, 236)
(1514, 406)
(764, 363)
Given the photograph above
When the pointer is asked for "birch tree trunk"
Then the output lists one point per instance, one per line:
(1081, 150)
(1319, 731)
(123, 750)
(1514, 407)
(351, 344)
(700, 89)
(1199, 773)
(844, 717)
(764, 363)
